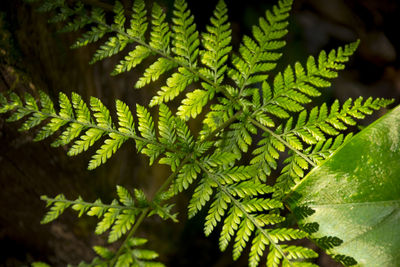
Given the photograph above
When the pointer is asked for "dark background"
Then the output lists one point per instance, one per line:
(33, 56)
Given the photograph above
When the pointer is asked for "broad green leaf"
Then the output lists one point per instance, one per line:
(355, 196)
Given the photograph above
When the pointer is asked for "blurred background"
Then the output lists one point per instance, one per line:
(34, 56)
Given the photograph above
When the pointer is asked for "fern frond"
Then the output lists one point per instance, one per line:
(136, 31)
(216, 212)
(230, 226)
(160, 41)
(146, 124)
(58, 120)
(293, 89)
(194, 103)
(79, 20)
(58, 206)
(245, 214)
(96, 32)
(202, 194)
(219, 114)
(160, 34)
(257, 248)
(185, 38)
(117, 43)
(313, 131)
(239, 137)
(130, 255)
(138, 21)
(266, 155)
(185, 177)
(125, 118)
(134, 58)
(216, 41)
(146, 129)
(258, 57)
(236, 196)
(110, 146)
(77, 116)
(115, 140)
(112, 46)
(246, 228)
(175, 85)
(49, 5)
(320, 122)
(119, 218)
(87, 140)
(154, 71)
(166, 126)
(124, 196)
(324, 149)
(123, 223)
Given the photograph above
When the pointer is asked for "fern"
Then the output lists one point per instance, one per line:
(131, 255)
(240, 99)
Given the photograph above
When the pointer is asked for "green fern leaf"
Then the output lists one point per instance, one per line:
(149, 146)
(185, 177)
(124, 196)
(81, 110)
(125, 118)
(296, 252)
(166, 126)
(256, 57)
(194, 103)
(202, 194)
(146, 124)
(58, 206)
(249, 188)
(119, 18)
(112, 46)
(139, 20)
(80, 20)
(134, 58)
(103, 252)
(72, 132)
(274, 257)
(257, 248)
(49, 129)
(108, 219)
(105, 152)
(242, 237)
(101, 113)
(266, 155)
(154, 71)
(216, 212)
(124, 260)
(217, 43)
(230, 226)
(97, 209)
(87, 140)
(238, 195)
(96, 32)
(285, 234)
(175, 85)
(185, 39)
(48, 5)
(122, 224)
(160, 34)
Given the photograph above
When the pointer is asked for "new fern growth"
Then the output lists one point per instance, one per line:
(243, 97)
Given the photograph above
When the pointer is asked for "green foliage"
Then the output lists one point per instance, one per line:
(130, 255)
(368, 194)
(240, 99)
